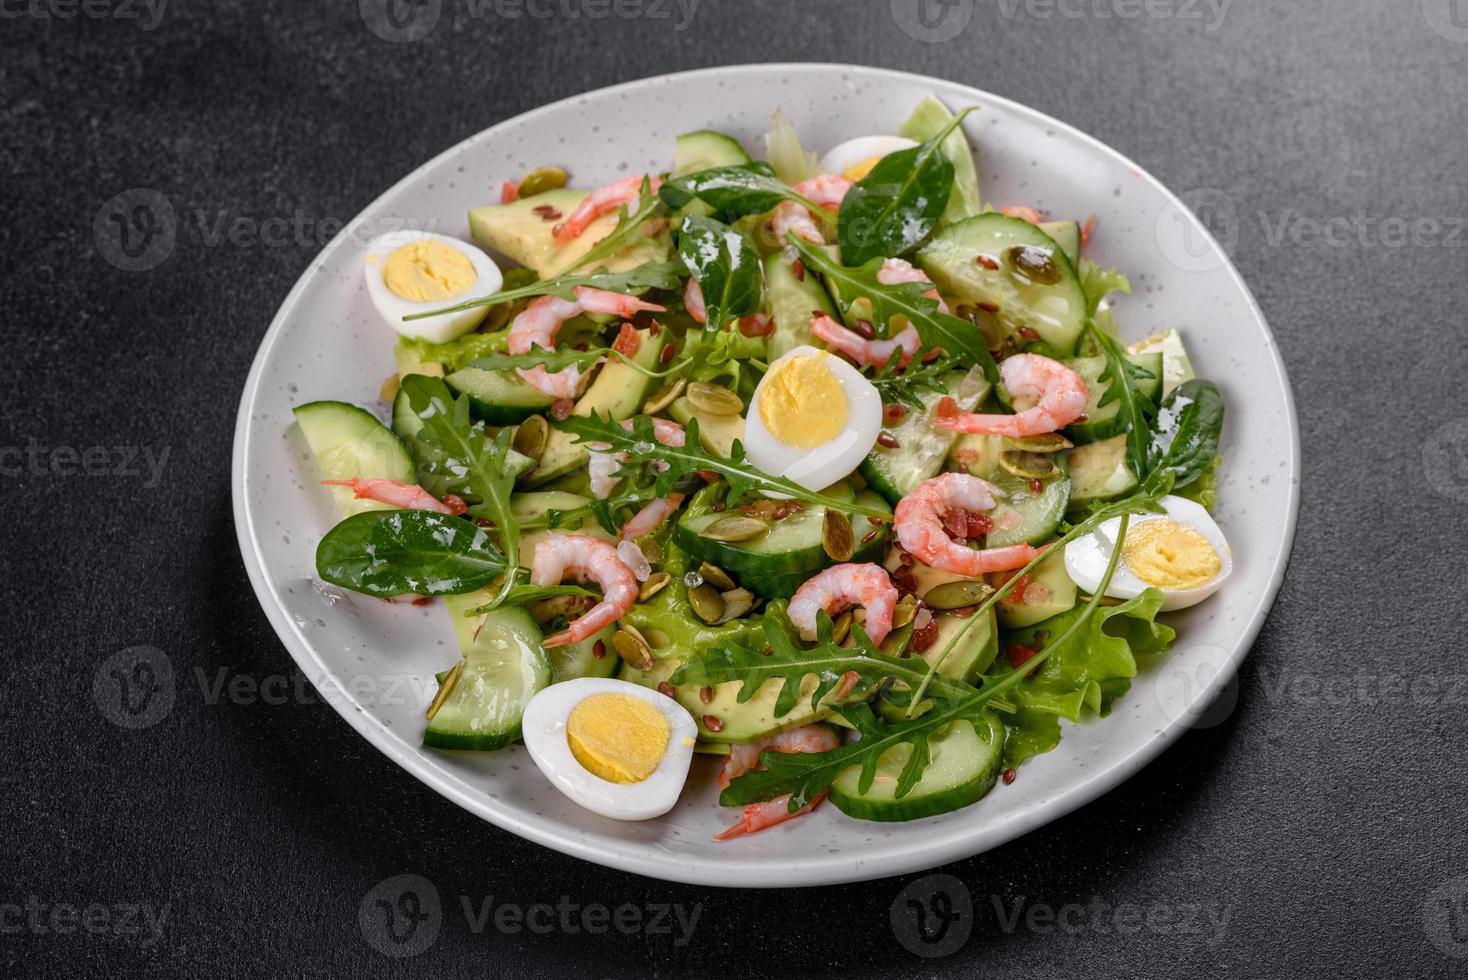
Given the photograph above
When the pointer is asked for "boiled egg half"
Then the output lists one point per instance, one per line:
(418, 271)
(618, 749)
(855, 158)
(1181, 553)
(813, 418)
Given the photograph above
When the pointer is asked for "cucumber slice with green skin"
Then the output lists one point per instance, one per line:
(921, 449)
(1023, 516)
(576, 660)
(505, 665)
(350, 443)
(1055, 310)
(1067, 235)
(1099, 471)
(777, 563)
(965, 761)
(1102, 421)
(792, 301)
(704, 149)
(498, 397)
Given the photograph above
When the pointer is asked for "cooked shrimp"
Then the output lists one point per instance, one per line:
(743, 758)
(651, 516)
(1061, 392)
(862, 350)
(587, 560)
(1023, 213)
(603, 466)
(920, 528)
(841, 586)
(790, 216)
(894, 271)
(603, 200)
(405, 495)
(693, 300)
(538, 325)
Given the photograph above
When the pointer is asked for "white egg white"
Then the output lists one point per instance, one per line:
(844, 156)
(392, 307)
(818, 467)
(1086, 557)
(544, 729)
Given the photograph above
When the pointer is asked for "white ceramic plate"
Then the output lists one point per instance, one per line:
(375, 661)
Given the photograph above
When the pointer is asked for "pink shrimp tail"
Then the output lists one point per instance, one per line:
(761, 816)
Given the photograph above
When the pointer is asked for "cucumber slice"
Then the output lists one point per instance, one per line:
(498, 397)
(1056, 311)
(1023, 516)
(349, 443)
(921, 449)
(965, 760)
(1102, 421)
(1067, 235)
(1099, 471)
(505, 665)
(704, 149)
(576, 660)
(791, 301)
(775, 565)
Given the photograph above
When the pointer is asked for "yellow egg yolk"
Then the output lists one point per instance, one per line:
(803, 403)
(428, 271)
(857, 171)
(1170, 555)
(618, 737)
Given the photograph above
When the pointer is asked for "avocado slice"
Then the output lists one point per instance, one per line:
(1051, 593)
(716, 432)
(520, 233)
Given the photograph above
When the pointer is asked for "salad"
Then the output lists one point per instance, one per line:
(822, 466)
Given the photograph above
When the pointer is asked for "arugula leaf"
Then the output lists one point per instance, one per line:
(1090, 671)
(906, 385)
(683, 463)
(1097, 282)
(726, 266)
(805, 776)
(1189, 424)
(663, 274)
(391, 552)
(897, 205)
(905, 299)
(454, 455)
(788, 660)
(1134, 409)
(739, 189)
(551, 360)
(629, 224)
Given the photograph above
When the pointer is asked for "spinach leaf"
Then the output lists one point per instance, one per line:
(726, 267)
(745, 188)
(956, 337)
(1189, 425)
(392, 552)
(896, 206)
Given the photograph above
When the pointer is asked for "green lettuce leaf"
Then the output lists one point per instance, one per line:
(1097, 283)
(1090, 672)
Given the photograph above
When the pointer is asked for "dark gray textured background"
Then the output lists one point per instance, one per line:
(1322, 812)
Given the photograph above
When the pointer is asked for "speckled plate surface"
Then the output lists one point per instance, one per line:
(374, 662)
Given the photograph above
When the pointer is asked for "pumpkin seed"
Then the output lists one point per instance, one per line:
(836, 536)
(632, 648)
(655, 583)
(707, 603)
(531, 437)
(956, 595)
(904, 611)
(389, 390)
(1034, 263)
(664, 396)
(735, 528)
(895, 645)
(542, 179)
(717, 577)
(1030, 466)
(1050, 442)
(714, 399)
(737, 602)
(841, 628)
(444, 690)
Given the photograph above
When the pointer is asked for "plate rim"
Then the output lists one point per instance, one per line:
(825, 869)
